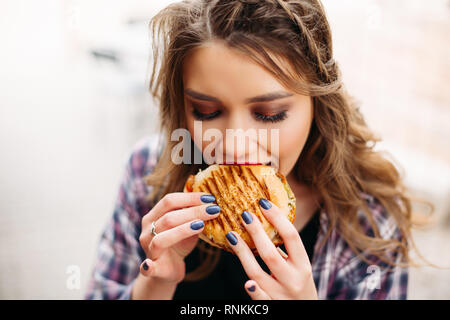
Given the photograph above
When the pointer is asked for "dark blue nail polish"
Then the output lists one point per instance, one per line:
(213, 209)
(208, 198)
(265, 204)
(252, 288)
(246, 216)
(145, 266)
(232, 238)
(197, 225)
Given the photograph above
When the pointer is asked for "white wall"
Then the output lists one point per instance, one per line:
(67, 123)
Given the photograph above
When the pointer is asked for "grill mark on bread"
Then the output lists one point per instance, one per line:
(241, 185)
(223, 204)
(252, 194)
(249, 193)
(232, 172)
(234, 182)
(264, 192)
(261, 187)
(236, 207)
(243, 195)
(222, 190)
(251, 183)
(255, 192)
(244, 199)
(259, 194)
(265, 188)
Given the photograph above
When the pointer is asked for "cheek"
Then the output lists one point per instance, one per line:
(293, 136)
(197, 130)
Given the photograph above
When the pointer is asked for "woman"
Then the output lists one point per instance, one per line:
(256, 65)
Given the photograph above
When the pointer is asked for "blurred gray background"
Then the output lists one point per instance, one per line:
(74, 100)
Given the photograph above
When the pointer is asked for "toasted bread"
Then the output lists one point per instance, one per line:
(238, 188)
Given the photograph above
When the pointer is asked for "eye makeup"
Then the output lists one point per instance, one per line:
(274, 118)
(271, 114)
(205, 116)
(204, 112)
(263, 114)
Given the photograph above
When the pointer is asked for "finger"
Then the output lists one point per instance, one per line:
(162, 270)
(291, 238)
(248, 261)
(174, 201)
(282, 253)
(147, 267)
(185, 200)
(266, 249)
(146, 235)
(177, 217)
(152, 269)
(170, 237)
(255, 292)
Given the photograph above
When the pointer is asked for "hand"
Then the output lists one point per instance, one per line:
(291, 277)
(178, 219)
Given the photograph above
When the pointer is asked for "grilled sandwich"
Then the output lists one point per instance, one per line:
(238, 188)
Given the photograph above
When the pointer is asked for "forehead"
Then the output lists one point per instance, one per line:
(218, 70)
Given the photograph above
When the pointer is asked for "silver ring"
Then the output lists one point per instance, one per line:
(153, 229)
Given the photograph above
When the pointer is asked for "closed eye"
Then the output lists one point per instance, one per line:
(205, 116)
(274, 118)
(258, 116)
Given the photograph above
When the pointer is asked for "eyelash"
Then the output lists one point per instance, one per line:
(205, 116)
(259, 116)
(275, 118)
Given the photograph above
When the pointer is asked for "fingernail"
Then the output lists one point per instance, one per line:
(232, 238)
(247, 217)
(265, 204)
(252, 288)
(145, 266)
(208, 198)
(196, 225)
(213, 209)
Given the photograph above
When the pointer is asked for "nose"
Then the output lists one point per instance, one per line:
(241, 146)
(241, 141)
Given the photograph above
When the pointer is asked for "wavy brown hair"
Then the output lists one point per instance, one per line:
(292, 40)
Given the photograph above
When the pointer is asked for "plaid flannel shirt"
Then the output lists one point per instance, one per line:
(338, 272)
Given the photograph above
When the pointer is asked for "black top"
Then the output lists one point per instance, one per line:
(228, 278)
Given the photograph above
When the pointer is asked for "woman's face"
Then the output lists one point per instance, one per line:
(224, 89)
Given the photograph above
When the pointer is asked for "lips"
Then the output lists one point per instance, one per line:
(248, 163)
(243, 163)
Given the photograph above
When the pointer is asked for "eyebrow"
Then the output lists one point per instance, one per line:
(262, 98)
